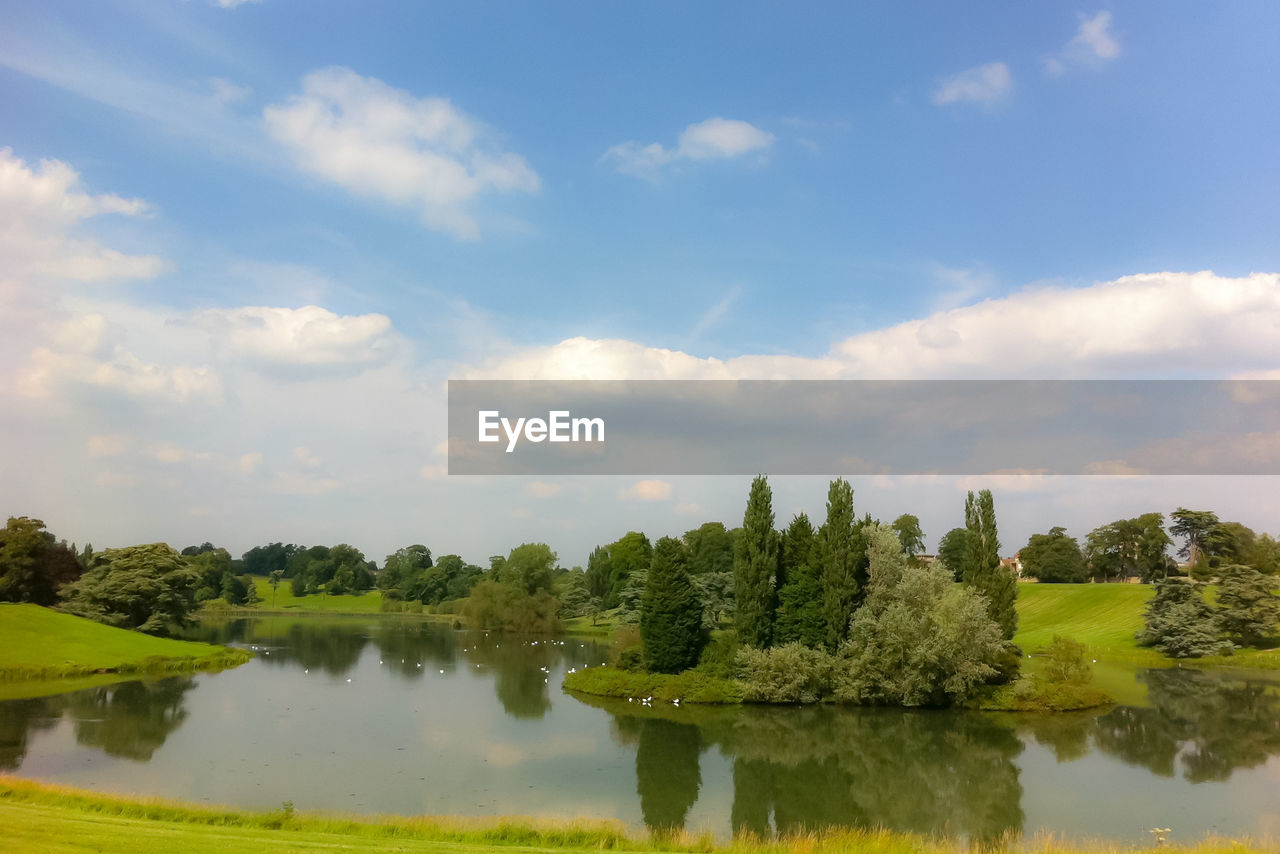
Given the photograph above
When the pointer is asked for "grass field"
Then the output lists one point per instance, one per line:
(40, 817)
(38, 643)
(369, 602)
(1106, 618)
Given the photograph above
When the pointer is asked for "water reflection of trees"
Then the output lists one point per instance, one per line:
(1206, 724)
(127, 719)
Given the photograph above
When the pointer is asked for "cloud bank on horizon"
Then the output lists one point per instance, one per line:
(201, 340)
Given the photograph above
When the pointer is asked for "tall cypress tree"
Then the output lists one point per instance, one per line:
(982, 570)
(839, 542)
(671, 612)
(755, 568)
(799, 595)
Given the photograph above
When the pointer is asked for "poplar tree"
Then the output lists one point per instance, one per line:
(670, 612)
(982, 570)
(755, 568)
(842, 554)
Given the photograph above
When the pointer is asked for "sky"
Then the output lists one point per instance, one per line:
(243, 245)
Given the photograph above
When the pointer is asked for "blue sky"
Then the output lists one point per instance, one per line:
(513, 190)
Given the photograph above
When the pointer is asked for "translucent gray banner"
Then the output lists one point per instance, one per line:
(955, 427)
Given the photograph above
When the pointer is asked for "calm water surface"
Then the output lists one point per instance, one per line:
(405, 717)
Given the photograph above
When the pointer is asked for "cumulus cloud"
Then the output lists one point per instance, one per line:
(712, 139)
(40, 210)
(307, 340)
(1143, 326)
(647, 490)
(983, 84)
(1092, 46)
(380, 142)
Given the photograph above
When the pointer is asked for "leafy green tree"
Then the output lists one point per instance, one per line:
(1111, 550)
(33, 565)
(716, 591)
(755, 569)
(1265, 556)
(599, 573)
(953, 550)
(800, 618)
(710, 548)
(529, 567)
(263, 560)
(983, 570)
(232, 589)
(251, 596)
(461, 576)
(192, 551)
(842, 552)
(505, 607)
(1152, 556)
(401, 568)
(1248, 608)
(628, 554)
(908, 528)
(1179, 622)
(213, 565)
(576, 599)
(632, 598)
(671, 612)
(1196, 528)
(276, 575)
(298, 585)
(919, 639)
(1054, 557)
(149, 587)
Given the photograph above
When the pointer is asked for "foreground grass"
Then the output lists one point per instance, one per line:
(41, 817)
(38, 643)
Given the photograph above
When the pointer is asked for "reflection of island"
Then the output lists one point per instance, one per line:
(800, 769)
(126, 719)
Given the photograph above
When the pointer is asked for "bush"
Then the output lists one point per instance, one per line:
(503, 607)
(918, 640)
(792, 673)
(1065, 663)
(720, 654)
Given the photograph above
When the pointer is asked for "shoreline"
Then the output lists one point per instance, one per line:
(41, 816)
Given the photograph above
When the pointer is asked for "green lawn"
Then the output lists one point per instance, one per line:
(39, 817)
(1102, 616)
(369, 602)
(1106, 618)
(39, 643)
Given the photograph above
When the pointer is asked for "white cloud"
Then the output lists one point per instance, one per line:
(1147, 325)
(384, 143)
(232, 4)
(647, 490)
(106, 446)
(689, 508)
(293, 483)
(1092, 45)
(542, 489)
(308, 339)
(983, 84)
(712, 139)
(40, 210)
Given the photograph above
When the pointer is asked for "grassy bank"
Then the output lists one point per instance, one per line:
(38, 643)
(283, 600)
(1106, 618)
(688, 687)
(39, 817)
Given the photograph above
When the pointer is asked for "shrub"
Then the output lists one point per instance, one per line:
(719, 655)
(918, 640)
(1065, 663)
(792, 673)
(1248, 608)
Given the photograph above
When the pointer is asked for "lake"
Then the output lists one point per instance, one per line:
(397, 716)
